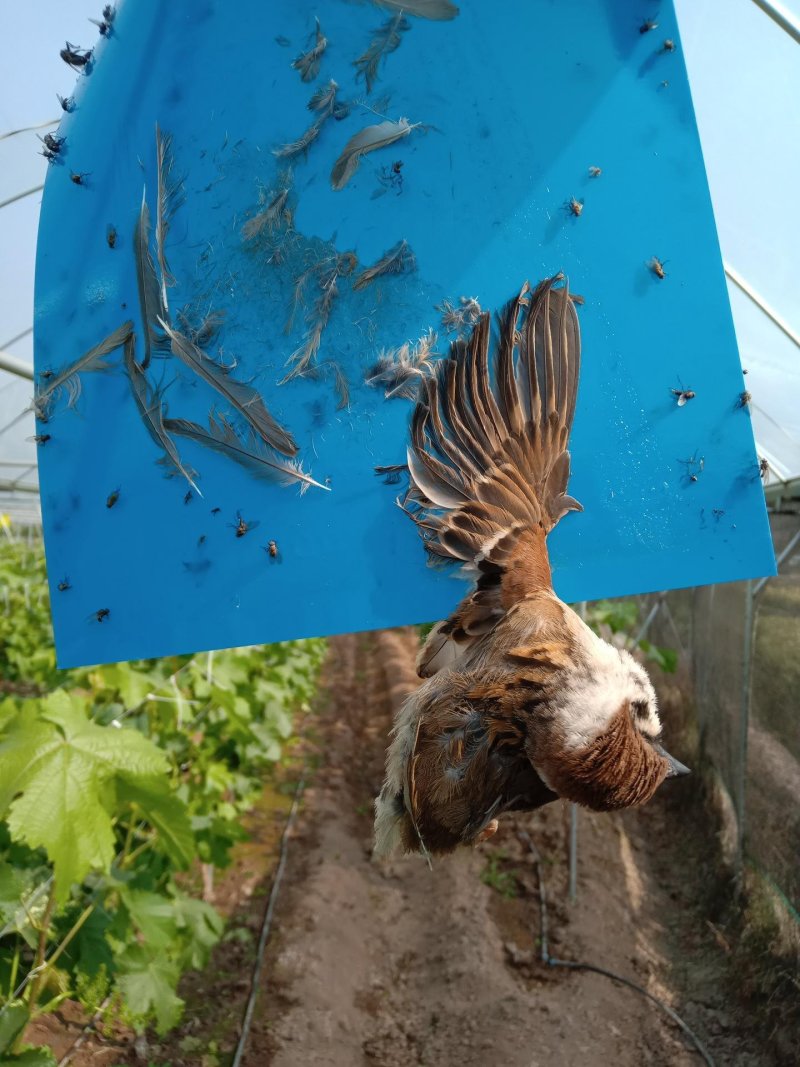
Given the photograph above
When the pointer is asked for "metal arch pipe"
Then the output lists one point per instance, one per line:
(15, 365)
(787, 21)
(29, 129)
(760, 302)
(21, 196)
(17, 337)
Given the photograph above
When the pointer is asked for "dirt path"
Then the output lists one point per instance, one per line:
(396, 965)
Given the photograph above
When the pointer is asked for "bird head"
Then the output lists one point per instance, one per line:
(602, 746)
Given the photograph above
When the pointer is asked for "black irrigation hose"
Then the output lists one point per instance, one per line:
(247, 1020)
(573, 965)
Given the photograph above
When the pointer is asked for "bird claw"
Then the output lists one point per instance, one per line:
(489, 830)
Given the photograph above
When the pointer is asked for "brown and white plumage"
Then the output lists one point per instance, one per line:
(523, 702)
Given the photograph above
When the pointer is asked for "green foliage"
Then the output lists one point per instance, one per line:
(58, 773)
(112, 780)
(617, 620)
(498, 877)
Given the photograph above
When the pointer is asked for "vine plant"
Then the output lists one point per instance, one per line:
(113, 780)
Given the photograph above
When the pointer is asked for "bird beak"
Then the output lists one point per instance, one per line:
(676, 768)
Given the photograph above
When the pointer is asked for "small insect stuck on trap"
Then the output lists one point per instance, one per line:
(683, 396)
(75, 57)
(241, 526)
(657, 267)
(103, 27)
(694, 467)
(53, 143)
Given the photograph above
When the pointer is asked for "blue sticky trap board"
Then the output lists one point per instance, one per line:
(516, 112)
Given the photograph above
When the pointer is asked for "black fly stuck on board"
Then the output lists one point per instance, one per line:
(103, 27)
(77, 58)
(272, 549)
(100, 615)
(657, 267)
(78, 178)
(241, 526)
(112, 498)
(574, 207)
(67, 103)
(64, 585)
(53, 143)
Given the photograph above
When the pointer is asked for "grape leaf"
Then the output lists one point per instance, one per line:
(8, 711)
(204, 926)
(56, 771)
(148, 985)
(133, 686)
(32, 1057)
(13, 1020)
(21, 905)
(89, 950)
(13, 884)
(164, 810)
(154, 916)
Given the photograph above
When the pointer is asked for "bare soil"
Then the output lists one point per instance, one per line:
(382, 965)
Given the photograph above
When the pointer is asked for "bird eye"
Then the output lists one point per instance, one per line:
(639, 708)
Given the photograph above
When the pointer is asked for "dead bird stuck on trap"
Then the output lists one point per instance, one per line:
(523, 703)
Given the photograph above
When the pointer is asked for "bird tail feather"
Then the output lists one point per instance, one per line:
(488, 457)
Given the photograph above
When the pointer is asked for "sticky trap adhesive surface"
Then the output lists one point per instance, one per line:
(512, 120)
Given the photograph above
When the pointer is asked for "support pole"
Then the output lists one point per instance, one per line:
(744, 723)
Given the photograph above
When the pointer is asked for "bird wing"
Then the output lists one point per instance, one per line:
(488, 459)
